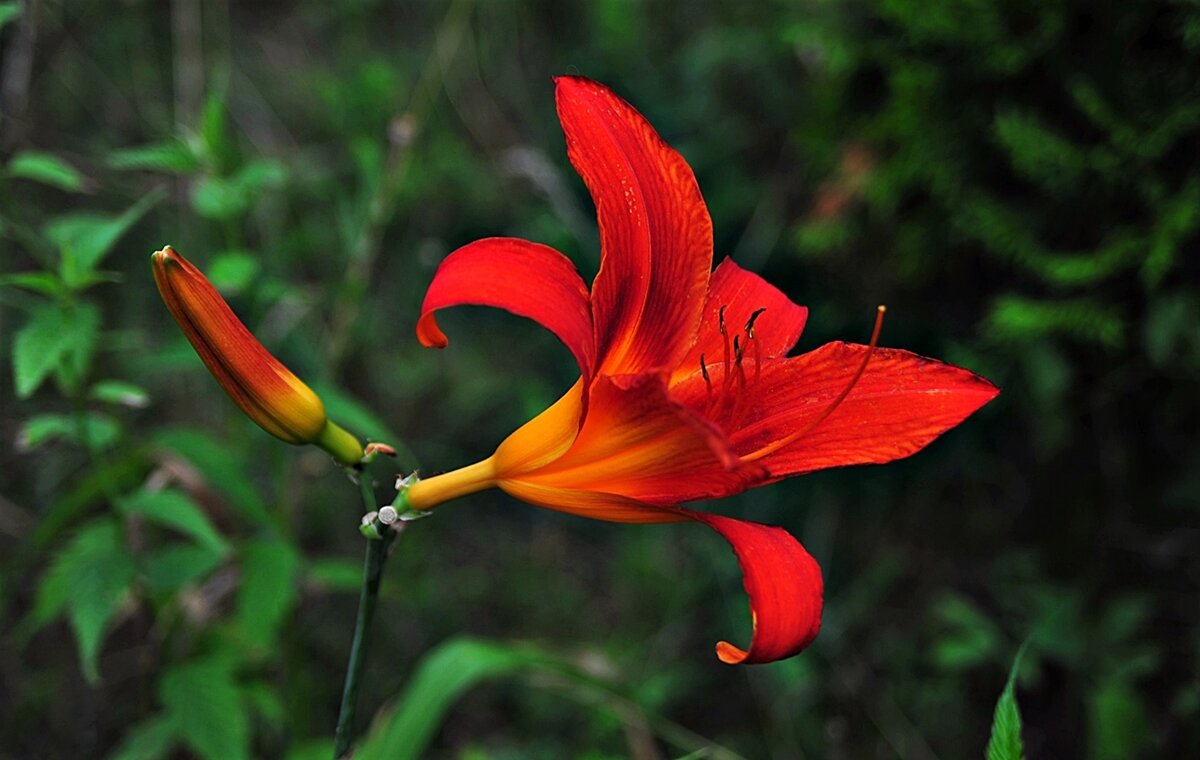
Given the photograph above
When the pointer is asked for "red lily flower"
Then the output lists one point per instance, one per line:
(686, 391)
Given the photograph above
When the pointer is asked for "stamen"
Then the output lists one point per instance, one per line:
(753, 318)
(739, 395)
(771, 448)
(757, 359)
(724, 334)
(750, 337)
(707, 379)
(742, 397)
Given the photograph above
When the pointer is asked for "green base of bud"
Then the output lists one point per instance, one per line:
(340, 445)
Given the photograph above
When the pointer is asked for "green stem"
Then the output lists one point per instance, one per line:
(377, 553)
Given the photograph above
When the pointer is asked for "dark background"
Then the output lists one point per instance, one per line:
(1016, 180)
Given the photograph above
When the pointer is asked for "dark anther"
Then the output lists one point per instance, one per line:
(753, 318)
(737, 351)
(704, 371)
(721, 319)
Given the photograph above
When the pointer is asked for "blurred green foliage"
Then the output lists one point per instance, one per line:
(1017, 180)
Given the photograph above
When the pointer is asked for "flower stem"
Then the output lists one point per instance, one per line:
(376, 556)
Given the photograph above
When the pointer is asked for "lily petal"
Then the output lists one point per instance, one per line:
(741, 293)
(783, 582)
(593, 505)
(901, 403)
(528, 279)
(544, 438)
(655, 232)
(637, 443)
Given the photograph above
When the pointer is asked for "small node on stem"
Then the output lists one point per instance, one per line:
(374, 449)
(369, 526)
(404, 482)
(404, 511)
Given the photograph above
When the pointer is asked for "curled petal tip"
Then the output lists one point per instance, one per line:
(785, 588)
(730, 654)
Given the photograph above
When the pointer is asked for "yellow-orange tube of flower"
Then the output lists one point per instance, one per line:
(270, 395)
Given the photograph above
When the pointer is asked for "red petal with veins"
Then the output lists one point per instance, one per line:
(901, 403)
(776, 329)
(528, 279)
(655, 233)
(783, 582)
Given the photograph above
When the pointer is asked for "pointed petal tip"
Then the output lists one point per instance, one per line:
(568, 80)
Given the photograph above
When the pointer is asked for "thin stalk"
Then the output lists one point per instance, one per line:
(376, 556)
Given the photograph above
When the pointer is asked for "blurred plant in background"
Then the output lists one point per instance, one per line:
(1016, 180)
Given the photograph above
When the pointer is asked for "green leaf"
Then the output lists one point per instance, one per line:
(444, 675)
(1021, 320)
(222, 469)
(174, 567)
(9, 12)
(1118, 725)
(101, 430)
(1005, 742)
(214, 134)
(230, 197)
(321, 749)
(1176, 224)
(204, 705)
(123, 469)
(87, 580)
(39, 282)
(174, 157)
(83, 331)
(46, 169)
(268, 589)
(58, 339)
(172, 509)
(262, 699)
(232, 271)
(149, 740)
(41, 345)
(971, 637)
(1038, 152)
(119, 392)
(1170, 332)
(84, 239)
(335, 573)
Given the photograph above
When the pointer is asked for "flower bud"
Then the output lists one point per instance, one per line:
(269, 394)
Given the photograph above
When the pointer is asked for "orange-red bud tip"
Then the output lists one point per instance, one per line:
(380, 448)
(269, 394)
